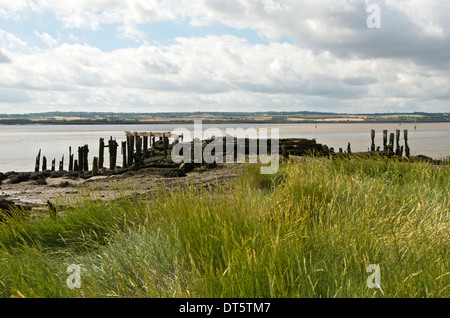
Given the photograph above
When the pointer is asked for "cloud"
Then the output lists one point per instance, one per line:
(361, 80)
(130, 31)
(216, 71)
(334, 60)
(4, 58)
(10, 42)
(13, 96)
(414, 29)
(73, 38)
(46, 38)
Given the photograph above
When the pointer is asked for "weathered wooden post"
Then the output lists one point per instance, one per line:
(44, 163)
(407, 150)
(124, 154)
(391, 142)
(53, 164)
(372, 135)
(70, 159)
(397, 142)
(385, 138)
(101, 153)
(80, 158)
(152, 144)
(138, 145)
(130, 146)
(85, 159)
(138, 158)
(75, 165)
(95, 166)
(61, 164)
(165, 142)
(145, 141)
(38, 161)
(112, 145)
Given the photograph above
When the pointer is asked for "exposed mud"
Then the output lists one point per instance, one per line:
(34, 189)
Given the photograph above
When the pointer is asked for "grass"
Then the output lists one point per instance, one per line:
(310, 230)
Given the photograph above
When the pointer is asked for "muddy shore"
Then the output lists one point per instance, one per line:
(30, 190)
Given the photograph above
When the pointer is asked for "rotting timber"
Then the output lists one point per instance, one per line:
(152, 151)
(146, 154)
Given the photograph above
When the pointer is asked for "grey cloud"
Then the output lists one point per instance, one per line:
(400, 36)
(13, 96)
(4, 58)
(341, 28)
(360, 81)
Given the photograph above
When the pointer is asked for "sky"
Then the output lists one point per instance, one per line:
(346, 56)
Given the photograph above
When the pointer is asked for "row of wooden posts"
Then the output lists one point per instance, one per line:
(139, 145)
(389, 147)
(135, 148)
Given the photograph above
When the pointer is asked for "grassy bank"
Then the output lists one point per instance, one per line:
(310, 230)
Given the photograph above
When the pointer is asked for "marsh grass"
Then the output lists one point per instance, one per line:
(310, 230)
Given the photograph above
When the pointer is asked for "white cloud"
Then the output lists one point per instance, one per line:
(215, 71)
(10, 42)
(73, 38)
(4, 58)
(46, 38)
(335, 61)
(130, 31)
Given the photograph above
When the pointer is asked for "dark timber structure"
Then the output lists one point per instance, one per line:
(140, 146)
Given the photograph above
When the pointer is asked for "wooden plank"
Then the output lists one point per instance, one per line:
(138, 145)
(101, 153)
(70, 159)
(405, 136)
(397, 142)
(112, 145)
(372, 135)
(165, 142)
(391, 142)
(158, 134)
(38, 161)
(95, 166)
(61, 164)
(124, 154)
(145, 142)
(85, 160)
(80, 158)
(44, 163)
(130, 148)
(385, 138)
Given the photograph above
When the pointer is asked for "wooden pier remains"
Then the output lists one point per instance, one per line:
(139, 146)
(143, 144)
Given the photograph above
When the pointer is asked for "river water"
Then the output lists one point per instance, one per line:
(19, 144)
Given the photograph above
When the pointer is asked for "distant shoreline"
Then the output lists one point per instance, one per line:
(183, 118)
(174, 122)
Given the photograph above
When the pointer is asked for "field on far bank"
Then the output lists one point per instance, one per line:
(310, 230)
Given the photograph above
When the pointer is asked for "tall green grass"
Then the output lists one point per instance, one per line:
(310, 230)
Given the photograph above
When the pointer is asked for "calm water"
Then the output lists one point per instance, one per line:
(19, 144)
